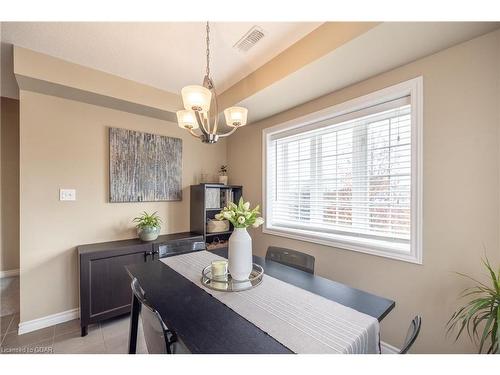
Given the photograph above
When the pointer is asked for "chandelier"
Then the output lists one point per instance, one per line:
(202, 112)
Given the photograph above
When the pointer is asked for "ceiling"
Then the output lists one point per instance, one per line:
(166, 55)
(385, 47)
(171, 55)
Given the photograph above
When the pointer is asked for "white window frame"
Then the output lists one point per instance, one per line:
(412, 88)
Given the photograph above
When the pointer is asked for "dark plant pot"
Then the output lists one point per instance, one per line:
(149, 233)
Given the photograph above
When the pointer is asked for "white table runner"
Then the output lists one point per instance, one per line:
(300, 320)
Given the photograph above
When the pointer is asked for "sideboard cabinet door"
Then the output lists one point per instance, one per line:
(110, 283)
(105, 284)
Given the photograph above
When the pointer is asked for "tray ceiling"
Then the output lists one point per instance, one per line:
(166, 55)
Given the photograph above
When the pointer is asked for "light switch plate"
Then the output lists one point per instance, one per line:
(67, 194)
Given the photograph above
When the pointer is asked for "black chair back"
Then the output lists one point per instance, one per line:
(155, 332)
(412, 334)
(292, 258)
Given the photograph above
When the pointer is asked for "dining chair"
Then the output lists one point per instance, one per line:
(159, 339)
(292, 258)
(412, 334)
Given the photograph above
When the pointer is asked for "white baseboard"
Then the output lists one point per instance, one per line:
(9, 273)
(388, 348)
(48, 321)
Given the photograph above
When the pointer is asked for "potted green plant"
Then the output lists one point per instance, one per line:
(480, 316)
(148, 226)
(223, 174)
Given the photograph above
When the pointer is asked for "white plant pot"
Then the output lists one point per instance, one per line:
(223, 180)
(149, 233)
(240, 254)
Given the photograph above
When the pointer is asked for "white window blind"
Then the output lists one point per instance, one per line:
(348, 178)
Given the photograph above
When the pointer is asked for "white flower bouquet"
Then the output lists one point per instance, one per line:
(240, 215)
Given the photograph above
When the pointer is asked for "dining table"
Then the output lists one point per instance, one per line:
(208, 326)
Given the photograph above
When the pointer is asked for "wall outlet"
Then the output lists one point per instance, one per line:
(67, 194)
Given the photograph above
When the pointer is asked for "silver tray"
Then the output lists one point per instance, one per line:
(228, 284)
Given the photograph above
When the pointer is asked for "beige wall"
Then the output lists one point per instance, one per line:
(9, 197)
(59, 77)
(461, 190)
(64, 144)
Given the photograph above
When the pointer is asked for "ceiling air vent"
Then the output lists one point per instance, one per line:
(250, 39)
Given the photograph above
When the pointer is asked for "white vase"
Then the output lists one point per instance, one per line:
(240, 254)
(223, 180)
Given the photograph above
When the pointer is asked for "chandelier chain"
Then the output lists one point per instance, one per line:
(205, 110)
(208, 50)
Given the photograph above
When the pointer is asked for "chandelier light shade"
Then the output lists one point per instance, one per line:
(236, 116)
(199, 101)
(196, 98)
(187, 119)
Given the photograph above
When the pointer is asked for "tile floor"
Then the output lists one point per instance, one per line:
(9, 295)
(110, 337)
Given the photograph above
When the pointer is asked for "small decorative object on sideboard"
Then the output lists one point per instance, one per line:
(240, 242)
(205, 178)
(148, 226)
(223, 175)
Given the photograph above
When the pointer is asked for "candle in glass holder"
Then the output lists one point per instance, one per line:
(219, 269)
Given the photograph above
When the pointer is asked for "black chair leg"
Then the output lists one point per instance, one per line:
(134, 324)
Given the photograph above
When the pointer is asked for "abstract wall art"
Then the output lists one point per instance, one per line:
(144, 167)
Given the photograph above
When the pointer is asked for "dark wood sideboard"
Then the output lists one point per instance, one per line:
(104, 283)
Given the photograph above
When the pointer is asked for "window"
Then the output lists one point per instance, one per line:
(349, 176)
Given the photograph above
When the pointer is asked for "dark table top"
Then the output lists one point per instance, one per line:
(206, 325)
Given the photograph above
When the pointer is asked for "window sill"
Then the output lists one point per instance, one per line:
(346, 243)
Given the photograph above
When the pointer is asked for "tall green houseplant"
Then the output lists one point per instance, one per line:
(480, 317)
